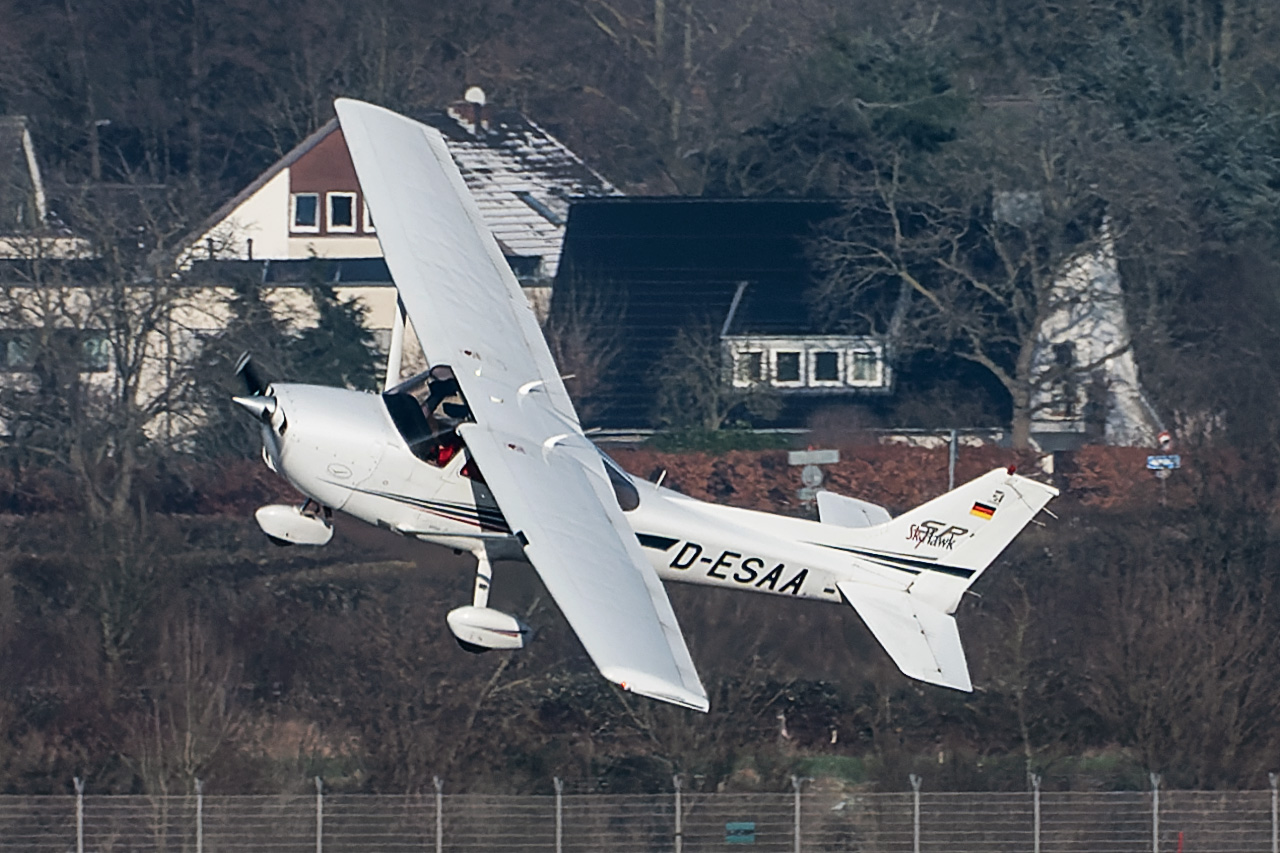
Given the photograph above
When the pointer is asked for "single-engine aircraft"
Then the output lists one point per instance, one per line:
(484, 453)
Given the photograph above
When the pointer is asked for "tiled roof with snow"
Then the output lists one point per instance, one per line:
(521, 176)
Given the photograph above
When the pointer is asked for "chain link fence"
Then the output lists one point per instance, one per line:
(676, 822)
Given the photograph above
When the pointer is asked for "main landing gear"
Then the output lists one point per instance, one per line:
(478, 627)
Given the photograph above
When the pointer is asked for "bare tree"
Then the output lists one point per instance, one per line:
(586, 341)
(983, 251)
(191, 713)
(693, 388)
(1182, 662)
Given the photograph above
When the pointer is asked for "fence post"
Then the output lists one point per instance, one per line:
(915, 812)
(796, 783)
(1275, 818)
(1035, 810)
(559, 813)
(79, 815)
(439, 783)
(1155, 812)
(319, 815)
(199, 816)
(675, 780)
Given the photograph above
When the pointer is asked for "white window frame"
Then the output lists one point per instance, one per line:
(839, 353)
(366, 218)
(328, 213)
(851, 357)
(847, 349)
(739, 361)
(293, 215)
(801, 363)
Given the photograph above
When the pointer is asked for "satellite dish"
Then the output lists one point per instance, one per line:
(474, 95)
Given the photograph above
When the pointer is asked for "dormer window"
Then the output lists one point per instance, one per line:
(305, 214)
(808, 364)
(342, 212)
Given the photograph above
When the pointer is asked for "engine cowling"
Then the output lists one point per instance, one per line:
(289, 525)
(479, 629)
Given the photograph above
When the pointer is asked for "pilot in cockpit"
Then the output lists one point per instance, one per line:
(444, 406)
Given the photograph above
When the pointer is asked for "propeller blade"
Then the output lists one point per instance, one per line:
(254, 383)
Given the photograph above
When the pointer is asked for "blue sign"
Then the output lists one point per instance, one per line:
(1164, 463)
(740, 832)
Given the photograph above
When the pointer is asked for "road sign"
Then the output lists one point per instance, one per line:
(740, 832)
(813, 457)
(1166, 462)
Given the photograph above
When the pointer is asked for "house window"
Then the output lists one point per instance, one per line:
(306, 212)
(18, 349)
(18, 352)
(342, 212)
(825, 367)
(750, 368)
(786, 367)
(864, 367)
(95, 352)
(368, 219)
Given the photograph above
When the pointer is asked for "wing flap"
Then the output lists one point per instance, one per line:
(923, 641)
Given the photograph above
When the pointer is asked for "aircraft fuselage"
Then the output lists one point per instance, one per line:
(342, 449)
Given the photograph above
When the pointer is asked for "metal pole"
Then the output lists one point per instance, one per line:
(439, 783)
(1155, 813)
(915, 813)
(951, 459)
(1275, 816)
(199, 816)
(1035, 801)
(675, 780)
(79, 815)
(319, 815)
(559, 813)
(796, 782)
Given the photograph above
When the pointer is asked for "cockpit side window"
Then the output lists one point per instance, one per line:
(623, 489)
(437, 448)
(427, 409)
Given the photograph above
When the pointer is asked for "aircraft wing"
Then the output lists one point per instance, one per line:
(467, 308)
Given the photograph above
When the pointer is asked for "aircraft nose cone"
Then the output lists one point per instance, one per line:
(261, 408)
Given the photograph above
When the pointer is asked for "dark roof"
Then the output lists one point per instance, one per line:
(674, 259)
(657, 264)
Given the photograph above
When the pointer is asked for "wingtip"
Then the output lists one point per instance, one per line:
(654, 687)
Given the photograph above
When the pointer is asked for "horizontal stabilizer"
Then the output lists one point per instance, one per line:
(849, 512)
(923, 641)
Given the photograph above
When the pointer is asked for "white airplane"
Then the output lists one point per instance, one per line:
(484, 453)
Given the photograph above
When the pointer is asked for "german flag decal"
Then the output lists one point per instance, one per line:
(982, 510)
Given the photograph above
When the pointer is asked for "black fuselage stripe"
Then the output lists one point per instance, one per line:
(905, 564)
(482, 517)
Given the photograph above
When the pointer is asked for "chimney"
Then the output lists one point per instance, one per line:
(475, 102)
